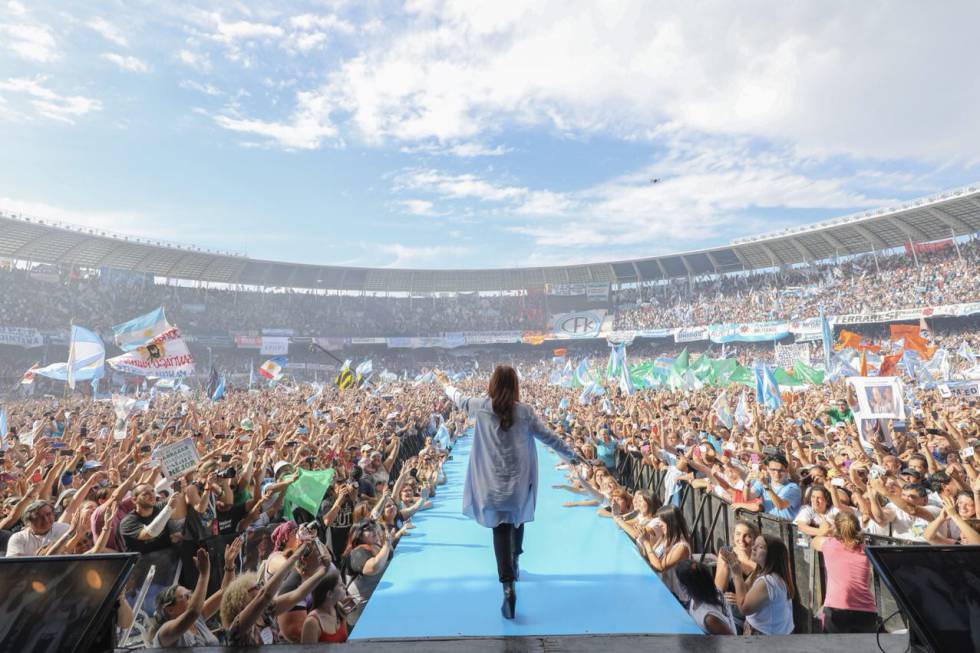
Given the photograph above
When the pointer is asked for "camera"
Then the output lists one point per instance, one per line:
(231, 472)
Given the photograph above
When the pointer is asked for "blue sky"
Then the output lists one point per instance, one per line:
(479, 134)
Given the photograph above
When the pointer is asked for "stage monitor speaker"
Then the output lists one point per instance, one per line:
(938, 590)
(61, 603)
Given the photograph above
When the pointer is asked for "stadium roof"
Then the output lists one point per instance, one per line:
(953, 213)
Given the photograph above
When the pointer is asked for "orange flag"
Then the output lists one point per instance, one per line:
(864, 362)
(889, 365)
(848, 339)
(899, 331)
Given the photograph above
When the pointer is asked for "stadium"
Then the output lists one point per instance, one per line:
(435, 326)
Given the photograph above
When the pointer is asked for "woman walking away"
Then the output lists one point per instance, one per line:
(849, 606)
(502, 479)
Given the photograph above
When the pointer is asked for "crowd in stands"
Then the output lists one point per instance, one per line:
(863, 285)
(52, 303)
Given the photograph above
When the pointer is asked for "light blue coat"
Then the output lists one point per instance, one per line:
(502, 479)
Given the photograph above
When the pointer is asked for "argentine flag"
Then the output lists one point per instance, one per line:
(86, 356)
(3, 428)
(140, 330)
(272, 368)
(828, 341)
(766, 388)
(365, 368)
(219, 392)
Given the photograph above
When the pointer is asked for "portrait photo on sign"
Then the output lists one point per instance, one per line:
(879, 397)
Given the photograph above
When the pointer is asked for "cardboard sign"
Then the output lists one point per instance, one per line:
(176, 458)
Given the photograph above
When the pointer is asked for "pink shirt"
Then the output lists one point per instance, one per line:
(848, 577)
(123, 508)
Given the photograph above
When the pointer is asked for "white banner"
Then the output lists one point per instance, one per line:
(581, 324)
(166, 356)
(21, 337)
(176, 458)
(878, 397)
(274, 345)
(691, 334)
(787, 355)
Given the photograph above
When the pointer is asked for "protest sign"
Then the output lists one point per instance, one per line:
(176, 458)
(879, 397)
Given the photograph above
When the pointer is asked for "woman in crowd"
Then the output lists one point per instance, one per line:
(956, 523)
(744, 536)
(502, 478)
(645, 506)
(326, 621)
(707, 606)
(665, 543)
(767, 599)
(817, 514)
(368, 554)
(849, 605)
(181, 615)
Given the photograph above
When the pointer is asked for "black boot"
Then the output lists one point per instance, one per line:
(509, 605)
(517, 567)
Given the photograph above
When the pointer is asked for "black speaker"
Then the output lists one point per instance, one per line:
(61, 603)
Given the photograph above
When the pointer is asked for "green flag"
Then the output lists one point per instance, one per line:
(307, 491)
(806, 374)
(680, 363)
(722, 370)
(742, 375)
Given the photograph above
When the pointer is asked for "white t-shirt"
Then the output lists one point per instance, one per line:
(908, 527)
(811, 517)
(26, 543)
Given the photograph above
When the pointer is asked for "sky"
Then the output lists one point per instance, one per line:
(434, 134)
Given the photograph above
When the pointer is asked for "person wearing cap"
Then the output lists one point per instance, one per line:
(502, 478)
(40, 530)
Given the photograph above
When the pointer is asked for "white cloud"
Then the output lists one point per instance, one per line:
(16, 8)
(130, 63)
(206, 89)
(31, 42)
(197, 60)
(451, 72)
(306, 128)
(109, 221)
(108, 31)
(435, 255)
(47, 102)
(324, 22)
(462, 186)
(419, 207)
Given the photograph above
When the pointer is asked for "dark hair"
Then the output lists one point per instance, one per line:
(777, 457)
(653, 501)
(676, 526)
(504, 393)
(699, 582)
(356, 532)
(324, 588)
(819, 489)
(777, 562)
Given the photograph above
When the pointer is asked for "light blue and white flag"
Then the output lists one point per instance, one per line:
(766, 388)
(625, 380)
(86, 356)
(251, 374)
(583, 376)
(939, 365)
(742, 414)
(965, 351)
(319, 391)
(722, 411)
(219, 391)
(140, 330)
(3, 428)
(828, 341)
(365, 369)
(563, 404)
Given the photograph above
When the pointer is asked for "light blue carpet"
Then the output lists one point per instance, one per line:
(579, 574)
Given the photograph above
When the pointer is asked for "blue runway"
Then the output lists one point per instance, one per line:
(579, 574)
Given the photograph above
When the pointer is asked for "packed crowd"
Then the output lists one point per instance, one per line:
(872, 283)
(98, 303)
(290, 573)
(863, 285)
(303, 574)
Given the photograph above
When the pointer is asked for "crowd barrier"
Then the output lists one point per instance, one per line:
(711, 521)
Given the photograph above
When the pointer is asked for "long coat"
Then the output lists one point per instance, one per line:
(502, 478)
